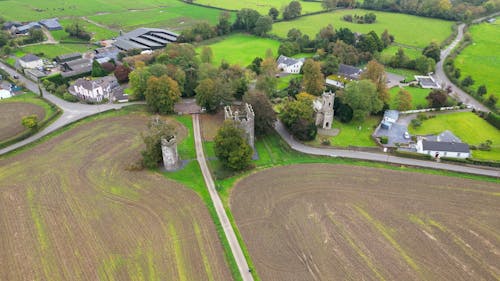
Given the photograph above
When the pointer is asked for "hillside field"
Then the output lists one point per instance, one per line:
(418, 97)
(481, 59)
(70, 209)
(241, 49)
(409, 30)
(263, 7)
(336, 222)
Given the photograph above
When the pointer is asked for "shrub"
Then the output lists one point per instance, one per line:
(415, 123)
(384, 139)
(30, 121)
(69, 97)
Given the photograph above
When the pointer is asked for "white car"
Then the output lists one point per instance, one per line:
(406, 135)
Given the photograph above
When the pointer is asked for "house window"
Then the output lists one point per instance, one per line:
(444, 153)
(458, 154)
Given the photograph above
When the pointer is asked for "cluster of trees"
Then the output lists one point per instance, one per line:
(451, 10)
(77, 30)
(297, 116)
(34, 36)
(422, 64)
(367, 18)
(342, 43)
(292, 10)
(157, 129)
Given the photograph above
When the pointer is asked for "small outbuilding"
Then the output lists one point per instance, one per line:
(5, 94)
(30, 61)
(68, 57)
(25, 29)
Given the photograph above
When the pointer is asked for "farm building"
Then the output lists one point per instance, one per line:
(346, 73)
(76, 68)
(109, 52)
(427, 82)
(30, 61)
(145, 39)
(10, 24)
(25, 29)
(390, 117)
(443, 148)
(34, 74)
(289, 65)
(51, 24)
(68, 57)
(94, 90)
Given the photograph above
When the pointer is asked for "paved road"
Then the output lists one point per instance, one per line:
(441, 77)
(380, 157)
(219, 208)
(71, 111)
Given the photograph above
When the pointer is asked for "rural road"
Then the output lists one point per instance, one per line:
(380, 157)
(441, 77)
(219, 208)
(71, 111)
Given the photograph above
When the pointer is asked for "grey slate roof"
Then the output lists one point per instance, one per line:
(349, 71)
(145, 39)
(77, 67)
(445, 146)
(29, 58)
(68, 57)
(10, 24)
(288, 61)
(445, 136)
(51, 24)
(27, 27)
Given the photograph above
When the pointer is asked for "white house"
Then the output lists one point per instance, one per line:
(94, 90)
(439, 149)
(30, 61)
(290, 65)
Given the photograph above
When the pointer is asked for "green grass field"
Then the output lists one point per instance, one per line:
(241, 49)
(408, 30)
(54, 50)
(284, 81)
(262, 6)
(388, 53)
(418, 97)
(98, 33)
(481, 59)
(469, 127)
(352, 133)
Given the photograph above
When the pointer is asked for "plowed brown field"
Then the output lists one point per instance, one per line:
(334, 222)
(12, 114)
(69, 210)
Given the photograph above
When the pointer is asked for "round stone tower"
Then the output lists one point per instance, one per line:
(169, 153)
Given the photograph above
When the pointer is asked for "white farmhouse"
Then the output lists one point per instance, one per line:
(289, 65)
(30, 61)
(94, 90)
(439, 149)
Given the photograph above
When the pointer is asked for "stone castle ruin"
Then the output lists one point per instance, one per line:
(169, 153)
(243, 118)
(323, 106)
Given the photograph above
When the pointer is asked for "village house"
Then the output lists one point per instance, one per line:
(94, 90)
(76, 68)
(442, 145)
(346, 73)
(289, 65)
(30, 61)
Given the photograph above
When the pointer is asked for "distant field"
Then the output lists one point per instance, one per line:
(469, 127)
(241, 49)
(481, 60)
(262, 6)
(418, 97)
(343, 222)
(409, 30)
(73, 211)
(54, 50)
(98, 33)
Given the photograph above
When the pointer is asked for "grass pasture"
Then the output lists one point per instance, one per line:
(54, 50)
(241, 49)
(88, 217)
(418, 97)
(351, 134)
(98, 33)
(388, 53)
(481, 59)
(12, 111)
(408, 30)
(469, 127)
(336, 222)
(262, 6)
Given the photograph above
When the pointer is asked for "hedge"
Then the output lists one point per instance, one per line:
(493, 119)
(472, 161)
(413, 155)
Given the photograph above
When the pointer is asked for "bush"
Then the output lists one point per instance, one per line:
(384, 139)
(69, 97)
(325, 141)
(415, 123)
(493, 119)
(30, 121)
(413, 155)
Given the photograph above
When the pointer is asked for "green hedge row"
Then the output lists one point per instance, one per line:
(413, 155)
(472, 161)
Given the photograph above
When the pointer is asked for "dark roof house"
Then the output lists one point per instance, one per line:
(445, 146)
(349, 71)
(108, 52)
(51, 24)
(29, 58)
(145, 39)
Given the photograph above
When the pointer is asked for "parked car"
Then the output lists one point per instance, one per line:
(406, 135)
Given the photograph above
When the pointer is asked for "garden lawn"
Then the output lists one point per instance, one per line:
(418, 97)
(284, 81)
(407, 73)
(409, 30)
(469, 127)
(261, 6)
(388, 53)
(54, 50)
(481, 59)
(241, 49)
(352, 133)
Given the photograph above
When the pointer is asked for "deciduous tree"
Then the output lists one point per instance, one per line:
(403, 100)
(376, 73)
(231, 147)
(313, 80)
(161, 94)
(362, 98)
(265, 117)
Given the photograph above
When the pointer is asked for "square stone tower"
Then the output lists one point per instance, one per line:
(243, 118)
(323, 106)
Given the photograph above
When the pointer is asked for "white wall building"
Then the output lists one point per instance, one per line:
(5, 94)
(30, 61)
(439, 149)
(94, 90)
(290, 65)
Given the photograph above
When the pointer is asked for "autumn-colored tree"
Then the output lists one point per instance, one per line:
(403, 100)
(139, 81)
(376, 73)
(121, 73)
(206, 55)
(313, 80)
(264, 112)
(161, 94)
